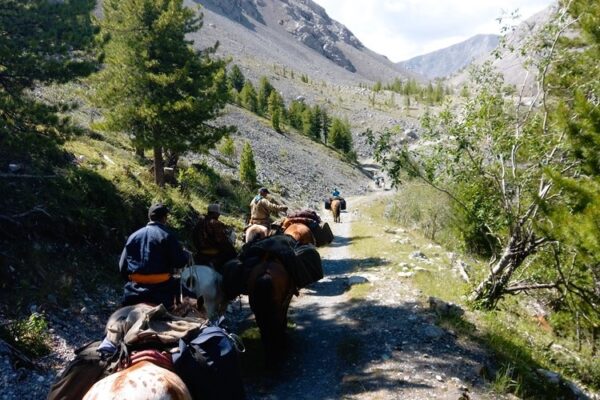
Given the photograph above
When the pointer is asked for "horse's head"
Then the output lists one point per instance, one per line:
(206, 284)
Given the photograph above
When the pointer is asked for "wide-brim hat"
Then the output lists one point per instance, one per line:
(157, 211)
(263, 190)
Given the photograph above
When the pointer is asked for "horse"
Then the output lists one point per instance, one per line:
(301, 233)
(207, 285)
(255, 232)
(141, 381)
(335, 209)
(270, 291)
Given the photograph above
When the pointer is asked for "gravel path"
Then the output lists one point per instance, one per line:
(383, 345)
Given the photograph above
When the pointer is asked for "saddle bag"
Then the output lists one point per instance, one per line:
(327, 204)
(208, 364)
(308, 268)
(342, 204)
(323, 234)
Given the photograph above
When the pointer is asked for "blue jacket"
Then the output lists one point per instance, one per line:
(152, 250)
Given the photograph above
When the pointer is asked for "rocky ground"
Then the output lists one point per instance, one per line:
(384, 346)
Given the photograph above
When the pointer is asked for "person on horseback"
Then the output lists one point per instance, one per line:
(211, 239)
(335, 193)
(261, 208)
(148, 261)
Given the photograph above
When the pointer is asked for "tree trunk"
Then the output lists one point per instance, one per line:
(492, 288)
(159, 172)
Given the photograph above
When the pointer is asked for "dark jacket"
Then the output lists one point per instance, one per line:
(152, 249)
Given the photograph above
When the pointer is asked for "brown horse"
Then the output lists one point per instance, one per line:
(301, 233)
(141, 381)
(270, 290)
(335, 210)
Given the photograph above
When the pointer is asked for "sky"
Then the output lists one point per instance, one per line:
(401, 29)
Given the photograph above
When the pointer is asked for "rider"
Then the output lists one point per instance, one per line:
(335, 193)
(211, 239)
(149, 259)
(261, 208)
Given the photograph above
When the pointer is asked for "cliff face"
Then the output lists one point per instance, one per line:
(293, 27)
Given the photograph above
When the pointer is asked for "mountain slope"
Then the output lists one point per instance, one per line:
(451, 59)
(512, 64)
(292, 33)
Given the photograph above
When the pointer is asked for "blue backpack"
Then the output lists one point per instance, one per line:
(208, 364)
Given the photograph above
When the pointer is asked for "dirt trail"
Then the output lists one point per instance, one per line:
(383, 347)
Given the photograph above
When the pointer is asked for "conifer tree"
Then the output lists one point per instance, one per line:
(236, 78)
(40, 42)
(155, 86)
(248, 97)
(262, 97)
(247, 166)
(276, 108)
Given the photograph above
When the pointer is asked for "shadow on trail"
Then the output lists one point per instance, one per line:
(347, 265)
(341, 241)
(366, 347)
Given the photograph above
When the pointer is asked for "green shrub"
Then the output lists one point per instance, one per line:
(29, 335)
(422, 207)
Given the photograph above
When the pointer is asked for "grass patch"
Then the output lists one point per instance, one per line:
(360, 291)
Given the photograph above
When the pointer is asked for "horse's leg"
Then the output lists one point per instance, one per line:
(265, 312)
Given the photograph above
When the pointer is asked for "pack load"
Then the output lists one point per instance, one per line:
(209, 366)
(323, 234)
(302, 262)
(310, 218)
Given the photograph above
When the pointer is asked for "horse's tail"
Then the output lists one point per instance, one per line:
(263, 298)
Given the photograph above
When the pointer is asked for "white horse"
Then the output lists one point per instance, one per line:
(207, 285)
(143, 381)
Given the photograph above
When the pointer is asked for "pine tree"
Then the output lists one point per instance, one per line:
(262, 98)
(227, 148)
(236, 78)
(247, 166)
(155, 86)
(248, 97)
(276, 108)
(40, 42)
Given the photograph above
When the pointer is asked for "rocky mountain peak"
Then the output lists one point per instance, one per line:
(305, 20)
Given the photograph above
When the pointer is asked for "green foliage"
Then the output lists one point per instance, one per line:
(227, 148)
(262, 98)
(340, 136)
(236, 78)
(41, 42)
(421, 206)
(247, 166)
(295, 112)
(575, 85)
(276, 108)
(248, 97)
(304, 78)
(29, 335)
(377, 87)
(154, 85)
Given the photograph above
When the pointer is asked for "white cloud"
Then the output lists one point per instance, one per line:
(401, 29)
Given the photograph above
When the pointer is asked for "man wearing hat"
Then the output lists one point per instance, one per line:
(149, 259)
(211, 239)
(261, 208)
